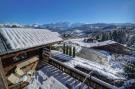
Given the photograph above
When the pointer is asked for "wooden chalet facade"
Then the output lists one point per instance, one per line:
(18, 58)
(23, 50)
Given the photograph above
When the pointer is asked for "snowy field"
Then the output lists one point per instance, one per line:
(114, 71)
(107, 71)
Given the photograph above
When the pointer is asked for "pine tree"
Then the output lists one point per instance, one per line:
(129, 69)
(73, 51)
(67, 49)
(64, 49)
(70, 51)
(97, 37)
(103, 37)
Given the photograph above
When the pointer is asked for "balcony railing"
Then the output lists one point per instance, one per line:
(81, 76)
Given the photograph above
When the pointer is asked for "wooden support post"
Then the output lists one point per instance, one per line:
(3, 81)
(50, 46)
(40, 54)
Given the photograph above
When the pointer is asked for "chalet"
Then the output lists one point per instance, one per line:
(26, 50)
(21, 47)
(107, 45)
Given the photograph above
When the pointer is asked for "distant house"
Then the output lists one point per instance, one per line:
(90, 40)
(107, 45)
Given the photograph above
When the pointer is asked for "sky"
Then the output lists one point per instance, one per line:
(74, 11)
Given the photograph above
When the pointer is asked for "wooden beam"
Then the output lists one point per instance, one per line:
(12, 66)
(3, 81)
(13, 53)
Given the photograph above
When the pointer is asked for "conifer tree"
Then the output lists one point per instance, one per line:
(73, 51)
(70, 51)
(64, 48)
(67, 49)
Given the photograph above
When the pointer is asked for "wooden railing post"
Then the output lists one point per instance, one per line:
(3, 81)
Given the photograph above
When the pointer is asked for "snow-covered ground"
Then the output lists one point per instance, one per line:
(41, 81)
(114, 72)
(103, 70)
(109, 72)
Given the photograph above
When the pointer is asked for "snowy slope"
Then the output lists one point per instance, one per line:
(103, 70)
(114, 72)
(109, 72)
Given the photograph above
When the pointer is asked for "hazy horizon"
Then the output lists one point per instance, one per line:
(62, 22)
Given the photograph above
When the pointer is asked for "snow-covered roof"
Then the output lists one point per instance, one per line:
(22, 38)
